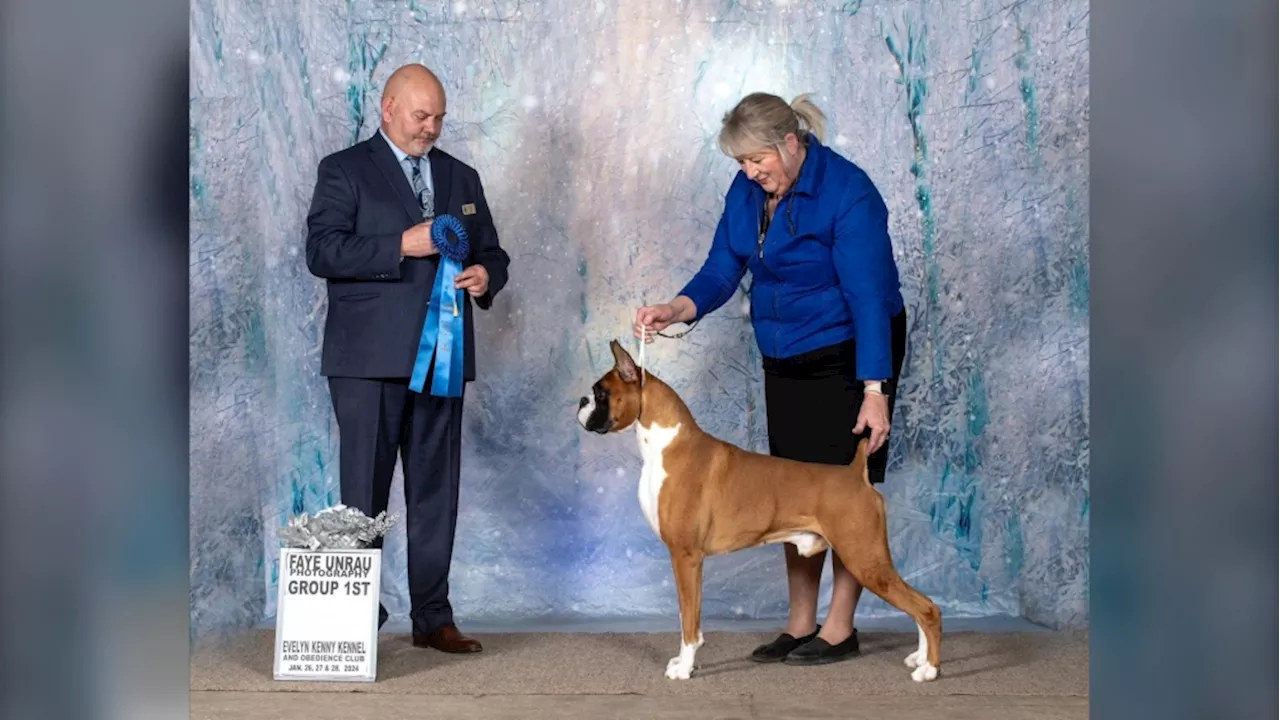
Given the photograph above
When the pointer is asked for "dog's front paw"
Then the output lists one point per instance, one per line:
(915, 659)
(925, 672)
(679, 669)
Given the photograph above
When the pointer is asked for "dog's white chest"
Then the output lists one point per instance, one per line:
(654, 440)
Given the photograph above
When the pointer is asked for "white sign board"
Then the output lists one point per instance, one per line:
(327, 615)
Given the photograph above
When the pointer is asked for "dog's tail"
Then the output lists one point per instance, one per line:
(859, 463)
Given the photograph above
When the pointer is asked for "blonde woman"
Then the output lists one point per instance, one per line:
(828, 316)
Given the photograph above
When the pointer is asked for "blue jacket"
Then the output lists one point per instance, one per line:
(825, 272)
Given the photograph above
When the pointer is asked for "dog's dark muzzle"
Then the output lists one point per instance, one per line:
(598, 421)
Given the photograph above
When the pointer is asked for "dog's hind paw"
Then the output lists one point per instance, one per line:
(915, 659)
(925, 672)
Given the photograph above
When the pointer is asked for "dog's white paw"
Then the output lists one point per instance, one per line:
(915, 659)
(924, 673)
(679, 669)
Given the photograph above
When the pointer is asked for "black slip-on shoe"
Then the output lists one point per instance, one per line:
(820, 652)
(783, 644)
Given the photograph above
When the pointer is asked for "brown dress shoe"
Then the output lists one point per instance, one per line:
(447, 639)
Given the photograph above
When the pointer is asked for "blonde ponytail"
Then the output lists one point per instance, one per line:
(811, 116)
(762, 121)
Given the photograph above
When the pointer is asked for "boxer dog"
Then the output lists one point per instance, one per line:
(703, 497)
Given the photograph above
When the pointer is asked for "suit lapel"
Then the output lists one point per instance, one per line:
(441, 180)
(386, 162)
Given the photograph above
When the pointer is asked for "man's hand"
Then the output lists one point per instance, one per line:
(416, 241)
(475, 280)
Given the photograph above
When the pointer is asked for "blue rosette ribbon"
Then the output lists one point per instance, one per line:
(442, 343)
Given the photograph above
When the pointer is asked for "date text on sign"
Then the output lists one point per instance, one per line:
(327, 615)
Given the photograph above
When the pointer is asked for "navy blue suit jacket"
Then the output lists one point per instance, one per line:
(377, 302)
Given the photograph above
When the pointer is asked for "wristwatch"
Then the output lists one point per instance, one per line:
(874, 387)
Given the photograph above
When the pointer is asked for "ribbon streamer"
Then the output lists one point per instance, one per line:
(441, 345)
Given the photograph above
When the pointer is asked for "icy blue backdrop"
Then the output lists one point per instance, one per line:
(593, 128)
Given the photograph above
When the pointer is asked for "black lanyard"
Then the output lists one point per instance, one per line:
(765, 221)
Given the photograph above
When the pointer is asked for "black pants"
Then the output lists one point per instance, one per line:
(812, 402)
(378, 419)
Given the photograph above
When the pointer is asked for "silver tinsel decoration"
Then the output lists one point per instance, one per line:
(336, 528)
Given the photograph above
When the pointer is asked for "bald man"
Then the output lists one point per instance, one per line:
(369, 237)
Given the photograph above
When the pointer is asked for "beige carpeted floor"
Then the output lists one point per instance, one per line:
(768, 705)
(1007, 665)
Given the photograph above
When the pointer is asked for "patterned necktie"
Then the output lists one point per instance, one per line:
(425, 197)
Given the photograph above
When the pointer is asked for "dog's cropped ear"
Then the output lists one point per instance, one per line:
(623, 363)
